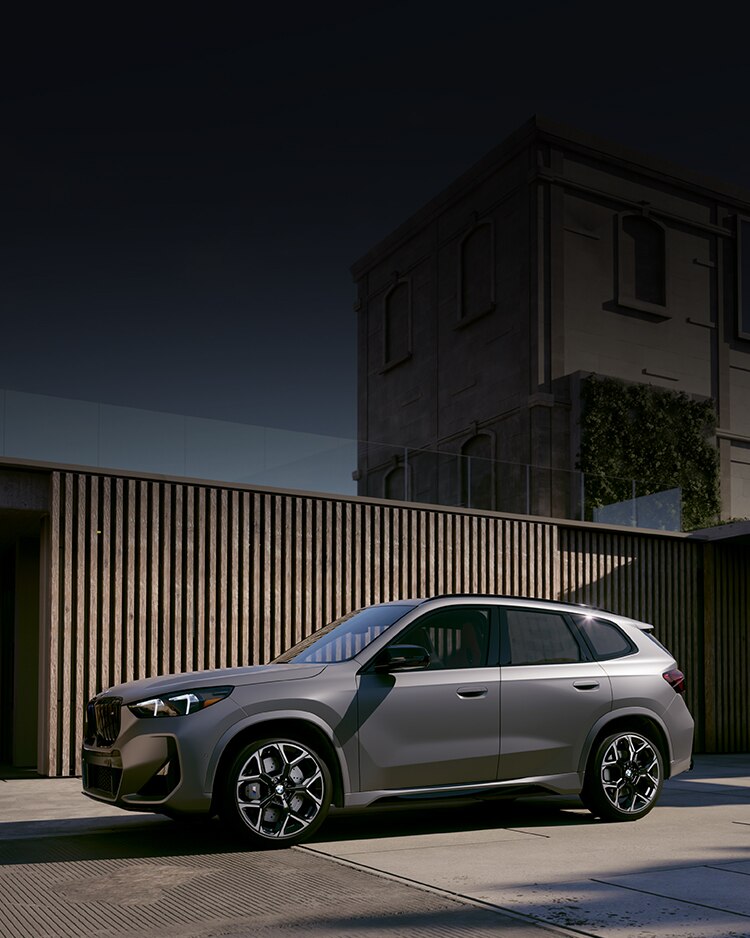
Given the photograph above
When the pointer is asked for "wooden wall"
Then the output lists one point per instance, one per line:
(148, 577)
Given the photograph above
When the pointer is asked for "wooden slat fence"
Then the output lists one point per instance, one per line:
(149, 577)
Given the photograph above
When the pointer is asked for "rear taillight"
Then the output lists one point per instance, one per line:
(676, 680)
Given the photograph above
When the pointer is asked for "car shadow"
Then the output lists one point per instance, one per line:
(142, 836)
(452, 817)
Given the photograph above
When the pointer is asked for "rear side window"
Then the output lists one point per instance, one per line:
(605, 638)
(533, 637)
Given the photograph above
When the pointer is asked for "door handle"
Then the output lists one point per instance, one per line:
(586, 685)
(467, 693)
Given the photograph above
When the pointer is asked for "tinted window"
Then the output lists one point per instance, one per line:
(346, 637)
(455, 638)
(605, 638)
(539, 638)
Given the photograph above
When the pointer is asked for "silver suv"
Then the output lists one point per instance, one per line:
(453, 695)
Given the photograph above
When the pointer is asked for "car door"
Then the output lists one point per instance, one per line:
(440, 725)
(551, 694)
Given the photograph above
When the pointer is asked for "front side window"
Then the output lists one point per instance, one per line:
(538, 637)
(455, 638)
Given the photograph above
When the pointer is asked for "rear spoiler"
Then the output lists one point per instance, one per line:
(643, 626)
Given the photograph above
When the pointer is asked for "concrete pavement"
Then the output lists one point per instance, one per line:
(70, 866)
(681, 872)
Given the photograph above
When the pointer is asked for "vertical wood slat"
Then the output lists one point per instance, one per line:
(147, 577)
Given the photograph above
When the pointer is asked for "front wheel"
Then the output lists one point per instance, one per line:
(624, 777)
(277, 792)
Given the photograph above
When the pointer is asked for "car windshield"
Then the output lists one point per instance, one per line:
(346, 637)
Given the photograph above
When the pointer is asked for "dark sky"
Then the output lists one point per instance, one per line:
(183, 194)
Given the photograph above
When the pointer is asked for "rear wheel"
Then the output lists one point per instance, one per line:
(624, 777)
(277, 792)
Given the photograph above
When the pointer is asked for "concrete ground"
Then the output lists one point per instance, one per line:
(70, 866)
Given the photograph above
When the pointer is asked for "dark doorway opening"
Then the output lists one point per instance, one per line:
(19, 640)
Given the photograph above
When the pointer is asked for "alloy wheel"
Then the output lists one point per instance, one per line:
(280, 790)
(630, 773)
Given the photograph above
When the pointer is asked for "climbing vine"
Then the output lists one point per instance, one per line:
(659, 438)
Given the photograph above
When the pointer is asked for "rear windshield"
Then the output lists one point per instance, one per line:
(346, 637)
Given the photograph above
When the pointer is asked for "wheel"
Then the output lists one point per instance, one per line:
(277, 793)
(624, 777)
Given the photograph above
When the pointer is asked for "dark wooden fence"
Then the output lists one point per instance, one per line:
(147, 576)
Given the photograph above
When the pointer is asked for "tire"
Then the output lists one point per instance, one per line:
(624, 777)
(277, 792)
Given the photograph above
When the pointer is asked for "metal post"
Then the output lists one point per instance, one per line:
(406, 474)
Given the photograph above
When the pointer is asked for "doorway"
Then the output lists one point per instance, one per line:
(19, 640)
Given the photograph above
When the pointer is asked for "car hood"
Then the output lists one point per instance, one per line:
(256, 674)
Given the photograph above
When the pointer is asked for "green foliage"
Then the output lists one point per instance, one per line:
(659, 438)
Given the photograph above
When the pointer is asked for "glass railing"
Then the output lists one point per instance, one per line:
(70, 432)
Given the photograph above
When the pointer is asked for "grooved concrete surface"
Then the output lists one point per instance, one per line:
(73, 867)
(127, 875)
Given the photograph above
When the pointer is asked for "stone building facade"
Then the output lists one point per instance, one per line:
(555, 257)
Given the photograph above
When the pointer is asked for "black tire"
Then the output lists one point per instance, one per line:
(276, 793)
(624, 777)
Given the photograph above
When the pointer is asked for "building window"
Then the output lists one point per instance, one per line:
(476, 276)
(743, 271)
(395, 482)
(478, 472)
(642, 264)
(397, 324)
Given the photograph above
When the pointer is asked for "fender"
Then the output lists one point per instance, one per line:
(269, 716)
(615, 715)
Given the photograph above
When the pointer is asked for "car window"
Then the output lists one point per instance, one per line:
(535, 637)
(346, 637)
(606, 640)
(455, 638)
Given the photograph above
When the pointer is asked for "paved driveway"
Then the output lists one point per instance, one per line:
(683, 871)
(71, 867)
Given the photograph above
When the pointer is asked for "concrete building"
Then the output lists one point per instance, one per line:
(555, 257)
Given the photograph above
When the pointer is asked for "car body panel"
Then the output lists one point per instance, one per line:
(397, 735)
(426, 728)
(546, 713)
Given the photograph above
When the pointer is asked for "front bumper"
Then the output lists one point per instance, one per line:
(156, 764)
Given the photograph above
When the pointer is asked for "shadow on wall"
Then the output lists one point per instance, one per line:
(656, 583)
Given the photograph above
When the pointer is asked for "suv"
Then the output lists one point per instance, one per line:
(452, 695)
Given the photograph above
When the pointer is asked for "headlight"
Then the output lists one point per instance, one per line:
(180, 703)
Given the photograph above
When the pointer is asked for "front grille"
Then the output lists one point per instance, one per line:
(103, 720)
(101, 778)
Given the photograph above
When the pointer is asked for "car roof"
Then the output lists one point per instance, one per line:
(534, 602)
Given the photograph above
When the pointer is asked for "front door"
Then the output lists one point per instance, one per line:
(438, 726)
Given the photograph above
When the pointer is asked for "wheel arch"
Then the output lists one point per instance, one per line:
(290, 726)
(636, 720)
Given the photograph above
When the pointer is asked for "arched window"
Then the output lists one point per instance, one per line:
(478, 472)
(642, 262)
(397, 323)
(395, 482)
(476, 273)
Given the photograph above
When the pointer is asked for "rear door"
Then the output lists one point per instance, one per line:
(551, 693)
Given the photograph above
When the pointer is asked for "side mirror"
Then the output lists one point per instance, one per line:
(402, 658)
